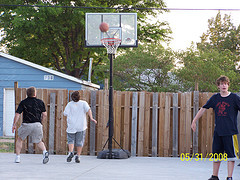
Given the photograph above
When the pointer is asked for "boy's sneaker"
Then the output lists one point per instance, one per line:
(213, 178)
(77, 159)
(17, 160)
(45, 158)
(229, 178)
(70, 156)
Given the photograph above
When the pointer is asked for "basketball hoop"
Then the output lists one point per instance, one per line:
(111, 44)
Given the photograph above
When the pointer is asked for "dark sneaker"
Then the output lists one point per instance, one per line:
(213, 178)
(70, 156)
(229, 178)
(45, 158)
(77, 159)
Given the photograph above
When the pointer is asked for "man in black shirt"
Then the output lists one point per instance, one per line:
(34, 113)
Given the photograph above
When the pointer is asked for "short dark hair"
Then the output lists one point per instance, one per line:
(75, 96)
(31, 91)
(223, 78)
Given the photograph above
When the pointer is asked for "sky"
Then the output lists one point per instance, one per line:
(188, 26)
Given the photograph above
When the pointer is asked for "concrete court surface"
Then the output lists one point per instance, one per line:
(140, 168)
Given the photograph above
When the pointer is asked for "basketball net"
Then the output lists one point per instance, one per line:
(111, 44)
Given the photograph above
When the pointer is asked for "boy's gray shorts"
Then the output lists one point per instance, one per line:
(31, 129)
(77, 138)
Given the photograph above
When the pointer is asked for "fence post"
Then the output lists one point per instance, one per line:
(166, 139)
(175, 124)
(195, 110)
(154, 124)
(134, 124)
(15, 108)
(92, 124)
(188, 115)
(52, 122)
(141, 128)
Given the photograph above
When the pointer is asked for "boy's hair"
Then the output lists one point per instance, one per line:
(75, 96)
(223, 79)
(31, 91)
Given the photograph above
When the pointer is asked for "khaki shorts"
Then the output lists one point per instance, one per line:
(31, 129)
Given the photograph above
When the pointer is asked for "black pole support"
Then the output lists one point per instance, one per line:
(110, 130)
(112, 153)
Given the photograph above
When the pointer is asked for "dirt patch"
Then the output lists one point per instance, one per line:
(6, 147)
(6, 144)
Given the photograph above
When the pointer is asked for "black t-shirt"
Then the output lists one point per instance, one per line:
(226, 111)
(32, 109)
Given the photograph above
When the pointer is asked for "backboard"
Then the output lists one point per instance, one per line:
(121, 25)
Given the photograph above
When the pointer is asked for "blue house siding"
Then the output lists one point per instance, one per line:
(27, 74)
(1, 112)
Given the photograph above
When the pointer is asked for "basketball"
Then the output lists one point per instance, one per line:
(104, 27)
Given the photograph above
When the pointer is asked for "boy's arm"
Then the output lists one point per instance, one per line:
(90, 115)
(198, 115)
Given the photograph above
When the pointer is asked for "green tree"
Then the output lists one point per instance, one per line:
(144, 68)
(221, 35)
(54, 37)
(217, 54)
(200, 69)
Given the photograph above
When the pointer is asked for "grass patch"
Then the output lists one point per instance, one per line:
(6, 145)
(10, 138)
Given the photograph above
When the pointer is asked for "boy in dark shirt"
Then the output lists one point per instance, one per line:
(226, 106)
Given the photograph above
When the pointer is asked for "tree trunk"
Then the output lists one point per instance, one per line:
(196, 86)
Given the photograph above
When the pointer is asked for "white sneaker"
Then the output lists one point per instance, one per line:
(17, 160)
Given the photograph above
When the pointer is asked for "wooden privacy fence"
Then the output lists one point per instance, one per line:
(145, 123)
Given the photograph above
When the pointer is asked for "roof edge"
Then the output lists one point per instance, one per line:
(28, 63)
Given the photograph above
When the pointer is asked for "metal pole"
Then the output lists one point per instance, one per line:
(110, 56)
(90, 69)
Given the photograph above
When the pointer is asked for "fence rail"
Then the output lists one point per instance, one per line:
(145, 123)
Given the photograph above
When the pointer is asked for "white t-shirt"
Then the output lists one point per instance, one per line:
(76, 116)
